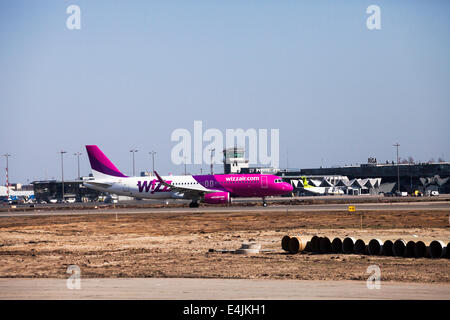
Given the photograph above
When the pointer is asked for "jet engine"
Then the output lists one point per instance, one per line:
(217, 198)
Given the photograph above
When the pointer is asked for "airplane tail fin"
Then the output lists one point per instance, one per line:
(305, 182)
(101, 166)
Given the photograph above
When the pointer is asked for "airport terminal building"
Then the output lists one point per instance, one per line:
(47, 190)
(422, 177)
(412, 176)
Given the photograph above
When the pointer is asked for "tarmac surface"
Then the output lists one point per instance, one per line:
(217, 289)
(430, 206)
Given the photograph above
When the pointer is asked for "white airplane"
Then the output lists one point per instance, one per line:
(214, 189)
(320, 190)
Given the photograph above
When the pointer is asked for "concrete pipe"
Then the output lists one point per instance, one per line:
(409, 250)
(447, 251)
(336, 245)
(285, 243)
(325, 245)
(308, 246)
(360, 247)
(375, 247)
(293, 245)
(387, 249)
(399, 248)
(296, 244)
(303, 243)
(437, 249)
(315, 244)
(420, 249)
(348, 245)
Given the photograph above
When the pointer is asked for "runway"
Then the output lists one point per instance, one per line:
(431, 205)
(217, 289)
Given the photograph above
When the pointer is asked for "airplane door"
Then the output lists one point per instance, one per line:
(264, 184)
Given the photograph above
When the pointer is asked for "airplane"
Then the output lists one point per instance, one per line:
(212, 189)
(311, 189)
(320, 190)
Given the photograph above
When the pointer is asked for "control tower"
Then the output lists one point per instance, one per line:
(233, 160)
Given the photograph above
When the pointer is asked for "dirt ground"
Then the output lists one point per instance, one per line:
(160, 244)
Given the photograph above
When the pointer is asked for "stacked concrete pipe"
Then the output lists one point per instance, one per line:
(297, 244)
(387, 249)
(409, 249)
(315, 244)
(399, 248)
(375, 247)
(359, 247)
(437, 249)
(285, 243)
(293, 244)
(348, 245)
(420, 249)
(336, 245)
(447, 251)
(324, 245)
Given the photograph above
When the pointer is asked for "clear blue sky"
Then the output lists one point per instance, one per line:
(137, 70)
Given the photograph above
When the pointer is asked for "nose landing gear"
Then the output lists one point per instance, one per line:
(264, 202)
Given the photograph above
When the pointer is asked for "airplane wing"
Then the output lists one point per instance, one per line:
(314, 190)
(190, 192)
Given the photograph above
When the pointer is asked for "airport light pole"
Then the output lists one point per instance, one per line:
(398, 168)
(133, 151)
(7, 155)
(62, 173)
(153, 161)
(78, 154)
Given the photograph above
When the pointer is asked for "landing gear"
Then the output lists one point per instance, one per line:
(193, 204)
(264, 202)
